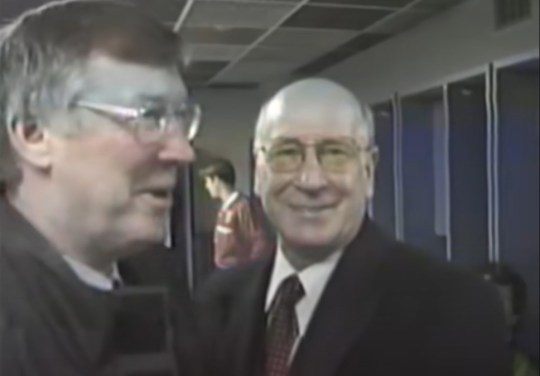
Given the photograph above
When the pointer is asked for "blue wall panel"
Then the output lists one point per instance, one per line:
(418, 176)
(518, 177)
(384, 200)
(468, 172)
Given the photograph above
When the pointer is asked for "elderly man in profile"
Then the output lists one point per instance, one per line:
(340, 297)
(94, 122)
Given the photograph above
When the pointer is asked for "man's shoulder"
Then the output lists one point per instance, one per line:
(16, 280)
(409, 264)
(411, 273)
(241, 202)
(226, 283)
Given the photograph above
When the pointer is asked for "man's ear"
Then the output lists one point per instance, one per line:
(375, 156)
(256, 175)
(370, 167)
(31, 143)
(256, 186)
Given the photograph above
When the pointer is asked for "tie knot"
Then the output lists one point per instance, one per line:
(290, 291)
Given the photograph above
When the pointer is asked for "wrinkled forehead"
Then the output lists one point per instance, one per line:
(311, 119)
(106, 79)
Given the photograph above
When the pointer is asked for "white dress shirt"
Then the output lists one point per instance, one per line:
(314, 279)
(92, 277)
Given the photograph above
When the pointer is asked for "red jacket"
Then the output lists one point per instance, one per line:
(240, 235)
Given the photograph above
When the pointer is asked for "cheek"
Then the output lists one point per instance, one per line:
(353, 193)
(102, 167)
(271, 188)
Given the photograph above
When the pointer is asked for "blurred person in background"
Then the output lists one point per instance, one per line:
(240, 234)
(513, 292)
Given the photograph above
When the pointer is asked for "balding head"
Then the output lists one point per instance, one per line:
(314, 170)
(318, 104)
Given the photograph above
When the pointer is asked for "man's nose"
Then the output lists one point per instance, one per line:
(177, 149)
(311, 176)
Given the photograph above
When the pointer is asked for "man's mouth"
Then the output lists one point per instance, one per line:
(312, 210)
(161, 193)
(159, 197)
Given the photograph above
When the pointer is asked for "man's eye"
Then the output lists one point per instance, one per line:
(285, 152)
(334, 151)
(337, 150)
(152, 114)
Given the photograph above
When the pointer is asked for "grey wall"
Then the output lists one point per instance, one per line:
(228, 120)
(451, 43)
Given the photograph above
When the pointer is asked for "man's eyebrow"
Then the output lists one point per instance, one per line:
(151, 99)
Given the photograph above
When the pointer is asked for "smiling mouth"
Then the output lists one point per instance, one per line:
(159, 197)
(161, 193)
(311, 210)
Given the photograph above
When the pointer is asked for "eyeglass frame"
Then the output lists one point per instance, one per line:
(122, 114)
(264, 149)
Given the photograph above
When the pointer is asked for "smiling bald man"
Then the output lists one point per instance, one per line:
(340, 297)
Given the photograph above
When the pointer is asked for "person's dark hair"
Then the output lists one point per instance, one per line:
(503, 275)
(221, 169)
(43, 52)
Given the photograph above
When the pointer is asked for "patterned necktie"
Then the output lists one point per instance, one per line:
(282, 327)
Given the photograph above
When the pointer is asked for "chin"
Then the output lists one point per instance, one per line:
(310, 240)
(147, 233)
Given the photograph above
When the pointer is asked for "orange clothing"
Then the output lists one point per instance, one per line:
(239, 236)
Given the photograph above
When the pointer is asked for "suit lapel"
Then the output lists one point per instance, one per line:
(249, 315)
(345, 309)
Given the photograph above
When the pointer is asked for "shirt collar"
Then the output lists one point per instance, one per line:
(314, 278)
(92, 277)
(228, 202)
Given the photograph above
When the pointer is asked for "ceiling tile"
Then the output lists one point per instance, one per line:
(231, 14)
(320, 17)
(194, 83)
(376, 3)
(164, 10)
(198, 77)
(291, 55)
(212, 52)
(364, 41)
(254, 71)
(256, 1)
(354, 46)
(291, 37)
(401, 22)
(212, 35)
(203, 69)
(438, 5)
(234, 85)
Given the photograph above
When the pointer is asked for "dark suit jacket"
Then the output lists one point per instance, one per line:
(51, 323)
(387, 310)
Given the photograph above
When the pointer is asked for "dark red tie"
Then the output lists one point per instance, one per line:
(282, 327)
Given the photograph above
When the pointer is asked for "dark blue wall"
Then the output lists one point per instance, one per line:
(418, 116)
(468, 172)
(384, 200)
(518, 137)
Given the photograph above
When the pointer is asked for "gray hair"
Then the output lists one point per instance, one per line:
(362, 112)
(43, 52)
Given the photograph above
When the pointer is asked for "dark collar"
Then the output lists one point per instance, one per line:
(19, 237)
